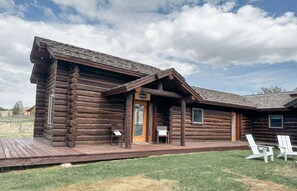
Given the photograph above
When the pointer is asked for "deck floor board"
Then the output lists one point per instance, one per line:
(38, 151)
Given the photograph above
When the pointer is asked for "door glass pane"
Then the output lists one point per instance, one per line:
(138, 119)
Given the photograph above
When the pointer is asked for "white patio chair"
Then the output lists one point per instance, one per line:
(285, 146)
(266, 150)
(162, 132)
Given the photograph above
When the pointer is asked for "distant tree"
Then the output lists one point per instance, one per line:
(3, 109)
(18, 108)
(271, 90)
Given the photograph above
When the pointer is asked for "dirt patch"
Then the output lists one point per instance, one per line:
(133, 183)
(258, 185)
(285, 171)
(261, 185)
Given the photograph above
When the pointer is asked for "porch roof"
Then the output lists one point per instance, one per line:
(151, 78)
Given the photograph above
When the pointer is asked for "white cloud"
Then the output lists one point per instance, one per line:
(209, 34)
(184, 39)
(7, 4)
(10, 8)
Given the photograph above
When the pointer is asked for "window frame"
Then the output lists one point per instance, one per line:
(50, 108)
(269, 121)
(202, 117)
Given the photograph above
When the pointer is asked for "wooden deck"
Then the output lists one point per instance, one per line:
(37, 151)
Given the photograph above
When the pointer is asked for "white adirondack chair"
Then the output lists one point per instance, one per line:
(266, 150)
(285, 146)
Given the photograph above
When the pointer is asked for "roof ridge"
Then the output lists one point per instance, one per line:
(217, 91)
(286, 92)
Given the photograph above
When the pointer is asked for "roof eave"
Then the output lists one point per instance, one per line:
(272, 109)
(292, 103)
(99, 65)
(228, 105)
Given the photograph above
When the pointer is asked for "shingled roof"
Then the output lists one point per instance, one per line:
(217, 97)
(257, 101)
(294, 93)
(68, 52)
(270, 101)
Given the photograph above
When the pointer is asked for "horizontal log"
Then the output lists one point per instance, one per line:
(72, 130)
(70, 143)
(72, 80)
(58, 144)
(74, 75)
(71, 123)
(161, 93)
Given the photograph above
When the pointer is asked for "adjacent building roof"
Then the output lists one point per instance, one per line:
(217, 97)
(257, 101)
(79, 55)
(294, 93)
(270, 101)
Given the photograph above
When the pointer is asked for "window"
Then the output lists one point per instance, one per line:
(275, 121)
(50, 109)
(197, 115)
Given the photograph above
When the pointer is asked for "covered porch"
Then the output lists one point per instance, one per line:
(148, 105)
(38, 151)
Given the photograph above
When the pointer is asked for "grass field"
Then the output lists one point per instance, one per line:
(199, 171)
(16, 126)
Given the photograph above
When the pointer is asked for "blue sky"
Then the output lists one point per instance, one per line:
(234, 46)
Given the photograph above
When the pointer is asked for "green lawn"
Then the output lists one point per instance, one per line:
(199, 171)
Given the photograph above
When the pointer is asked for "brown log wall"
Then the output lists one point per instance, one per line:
(40, 107)
(96, 114)
(246, 125)
(262, 132)
(61, 105)
(216, 125)
(50, 87)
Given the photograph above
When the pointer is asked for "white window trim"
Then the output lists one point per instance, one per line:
(202, 111)
(50, 109)
(282, 117)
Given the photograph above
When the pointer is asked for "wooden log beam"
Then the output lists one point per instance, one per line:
(183, 124)
(149, 130)
(128, 121)
(138, 90)
(161, 93)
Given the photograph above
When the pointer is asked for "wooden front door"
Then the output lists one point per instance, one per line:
(139, 121)
(235, 126)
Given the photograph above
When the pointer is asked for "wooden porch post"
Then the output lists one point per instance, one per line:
(128, 121)
(183, 123)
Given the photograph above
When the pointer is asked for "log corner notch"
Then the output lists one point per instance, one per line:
(183, 123)
(71, 124)
(128, 121)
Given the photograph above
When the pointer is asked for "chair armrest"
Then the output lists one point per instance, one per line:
(265, 146)
(281, 147)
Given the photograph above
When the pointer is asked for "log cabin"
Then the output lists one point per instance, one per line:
(81, 95)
